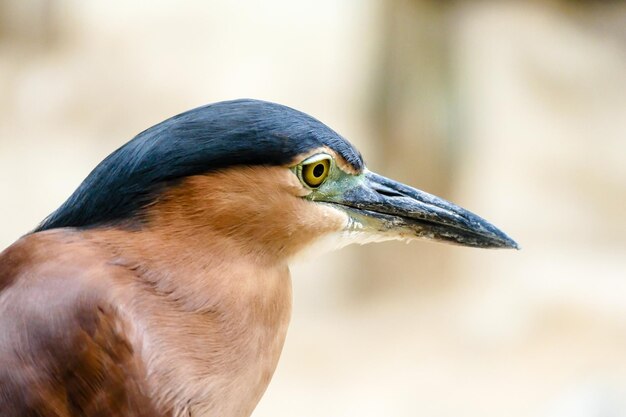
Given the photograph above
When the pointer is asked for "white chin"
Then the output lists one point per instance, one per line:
(354, 232)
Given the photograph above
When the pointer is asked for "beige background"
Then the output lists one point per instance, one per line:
(515, 110)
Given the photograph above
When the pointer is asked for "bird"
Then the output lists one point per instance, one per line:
(161, 286)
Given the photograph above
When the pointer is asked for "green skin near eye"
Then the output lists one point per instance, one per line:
(331, 184)
(328, 183)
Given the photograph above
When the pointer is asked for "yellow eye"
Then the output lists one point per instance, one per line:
(315, 173)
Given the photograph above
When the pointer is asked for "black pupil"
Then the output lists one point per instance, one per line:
(318, 170)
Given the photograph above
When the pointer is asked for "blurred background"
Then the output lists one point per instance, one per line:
(513, 109)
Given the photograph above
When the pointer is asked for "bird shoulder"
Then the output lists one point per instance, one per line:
(64, 349)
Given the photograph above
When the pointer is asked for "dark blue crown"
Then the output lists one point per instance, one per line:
(205, 139)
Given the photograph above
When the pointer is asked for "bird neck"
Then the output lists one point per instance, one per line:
(197, 271)
(209, 313)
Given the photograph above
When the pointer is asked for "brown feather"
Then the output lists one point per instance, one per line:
(63, 351)
(185, 316)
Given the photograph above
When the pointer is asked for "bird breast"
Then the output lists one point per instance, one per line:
(213, 351)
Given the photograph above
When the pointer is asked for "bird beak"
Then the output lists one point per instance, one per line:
(387, 207)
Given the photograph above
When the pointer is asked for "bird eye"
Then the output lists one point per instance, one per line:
(315, 173)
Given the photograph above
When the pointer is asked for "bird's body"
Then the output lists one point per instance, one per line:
(164, 291)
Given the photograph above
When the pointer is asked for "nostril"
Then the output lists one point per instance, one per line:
(388, 192)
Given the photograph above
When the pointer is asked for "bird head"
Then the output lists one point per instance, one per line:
(264, 176)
